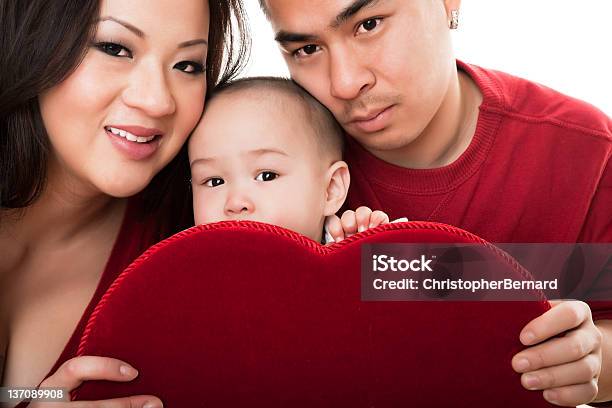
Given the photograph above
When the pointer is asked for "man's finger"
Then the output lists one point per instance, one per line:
(572, 395)
(577, 372)
(573, 347)
(562, 317)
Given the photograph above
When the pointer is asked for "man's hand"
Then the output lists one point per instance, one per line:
(354, 221)
(567, 368)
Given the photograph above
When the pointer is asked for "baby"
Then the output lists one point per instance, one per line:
(267, 151)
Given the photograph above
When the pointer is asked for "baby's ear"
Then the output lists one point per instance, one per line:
(338, 181)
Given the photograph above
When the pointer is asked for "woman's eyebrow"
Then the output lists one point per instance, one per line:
(129, 26)
(141, 34)
(193, 42)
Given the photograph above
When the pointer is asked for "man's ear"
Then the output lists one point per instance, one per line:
(338, 181)
(451, 5)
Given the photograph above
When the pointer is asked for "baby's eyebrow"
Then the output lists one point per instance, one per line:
(202, 160)
(256, 152)
(261, 152)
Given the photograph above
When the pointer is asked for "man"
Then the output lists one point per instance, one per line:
(435, 139)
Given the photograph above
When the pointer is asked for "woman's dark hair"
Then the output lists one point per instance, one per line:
(42, 43)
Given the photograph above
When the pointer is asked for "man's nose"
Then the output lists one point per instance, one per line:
(149, 90)
(350, 75)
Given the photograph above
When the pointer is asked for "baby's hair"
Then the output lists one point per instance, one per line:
(328, 132)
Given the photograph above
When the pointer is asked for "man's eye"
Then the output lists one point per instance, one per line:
(115, 50)
(190, 67)
(369, 25)
(214, 182)
(306, 50)
(266, 176)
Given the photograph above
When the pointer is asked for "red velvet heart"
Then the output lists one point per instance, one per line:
(248, 314)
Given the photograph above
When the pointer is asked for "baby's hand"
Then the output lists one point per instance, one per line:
(354, 221)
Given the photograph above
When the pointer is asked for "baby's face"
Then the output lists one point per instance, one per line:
(254, 159)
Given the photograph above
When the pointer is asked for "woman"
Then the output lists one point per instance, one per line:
(96, 98)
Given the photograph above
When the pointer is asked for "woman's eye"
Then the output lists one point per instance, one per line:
(214, 182)
(266, 176)
(190, 67)
(115, 50)
(369, 25)
(306, 50)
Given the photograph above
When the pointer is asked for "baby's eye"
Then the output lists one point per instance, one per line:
(266, 176)
(214, 182)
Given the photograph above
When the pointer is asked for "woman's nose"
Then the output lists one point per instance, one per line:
(149, 92)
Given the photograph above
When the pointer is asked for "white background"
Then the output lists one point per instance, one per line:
(564, 44)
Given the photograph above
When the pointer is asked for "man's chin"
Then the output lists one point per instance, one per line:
(383, 141)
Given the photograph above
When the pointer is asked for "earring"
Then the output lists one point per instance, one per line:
(454, 21)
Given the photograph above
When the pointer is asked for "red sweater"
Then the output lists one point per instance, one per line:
(537, 170)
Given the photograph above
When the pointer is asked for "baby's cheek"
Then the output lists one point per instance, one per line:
(199, 209)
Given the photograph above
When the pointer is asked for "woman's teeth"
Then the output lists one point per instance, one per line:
(129, 136)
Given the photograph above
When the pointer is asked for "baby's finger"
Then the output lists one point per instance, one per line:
(378, 218)
(334, 227)
(363, 218)
(349, 223)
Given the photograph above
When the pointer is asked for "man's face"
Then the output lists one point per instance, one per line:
(382, 67)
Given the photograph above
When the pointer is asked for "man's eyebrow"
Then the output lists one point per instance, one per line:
(141, 34)
(350, 10)
(284, 37)
(129, 26)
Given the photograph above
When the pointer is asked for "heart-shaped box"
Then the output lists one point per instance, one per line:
(248, 314)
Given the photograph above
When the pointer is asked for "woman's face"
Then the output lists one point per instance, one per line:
(127, 109)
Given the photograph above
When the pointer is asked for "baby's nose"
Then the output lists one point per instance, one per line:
(238, 204)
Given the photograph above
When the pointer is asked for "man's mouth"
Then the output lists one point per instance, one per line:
(369, 115)
(373, 120)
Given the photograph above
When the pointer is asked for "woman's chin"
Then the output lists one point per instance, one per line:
(124, 188)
